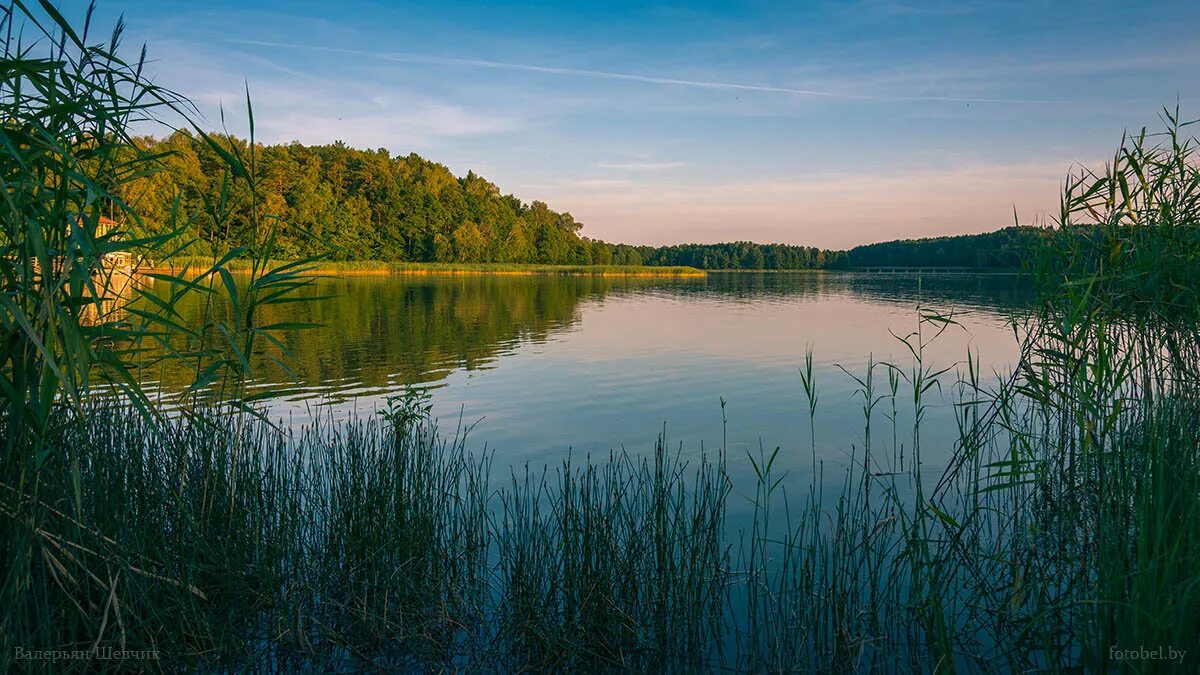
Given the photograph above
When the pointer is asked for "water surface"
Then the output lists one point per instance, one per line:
(540, 366)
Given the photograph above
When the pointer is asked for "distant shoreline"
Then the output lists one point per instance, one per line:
(374, 268)
(381, 268)
(924, 271)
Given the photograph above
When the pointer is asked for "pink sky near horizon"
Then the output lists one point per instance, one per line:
(832, 211)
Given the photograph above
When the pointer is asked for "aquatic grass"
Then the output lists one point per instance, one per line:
(67, 313)
(402, 540)
(618, 564)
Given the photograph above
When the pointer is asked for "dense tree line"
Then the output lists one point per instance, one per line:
(1002, 249)
(365, 204)
(743, 255)
(370, 205)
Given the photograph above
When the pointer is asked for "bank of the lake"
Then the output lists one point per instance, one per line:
(384, 267)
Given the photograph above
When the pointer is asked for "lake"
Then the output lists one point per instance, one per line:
(542, 366)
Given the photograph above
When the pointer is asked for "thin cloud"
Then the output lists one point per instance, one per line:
(932, 8)
(406, 57)
(641, 166)
(599, 183)
(290, 114)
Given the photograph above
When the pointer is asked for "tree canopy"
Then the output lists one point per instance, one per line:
(364, 204)
(743, 255)
(371, 205)
(1002, 249)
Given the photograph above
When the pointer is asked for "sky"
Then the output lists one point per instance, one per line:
(825, 124)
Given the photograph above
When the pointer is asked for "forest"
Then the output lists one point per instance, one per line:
(743, 255)
(362, 204)
(1005, 249)
(371, 205)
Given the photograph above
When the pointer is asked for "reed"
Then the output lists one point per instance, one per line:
(222, 541)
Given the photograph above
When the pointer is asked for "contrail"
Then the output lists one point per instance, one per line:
(406, 57)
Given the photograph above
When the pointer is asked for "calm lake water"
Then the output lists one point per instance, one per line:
(543, 366)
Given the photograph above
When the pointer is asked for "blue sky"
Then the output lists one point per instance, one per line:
(819, 123)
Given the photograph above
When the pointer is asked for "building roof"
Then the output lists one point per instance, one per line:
(105, 225)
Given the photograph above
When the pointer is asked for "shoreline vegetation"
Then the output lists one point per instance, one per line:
(346, 204)
(1002, 252)
(379, 267)
(1063, 536)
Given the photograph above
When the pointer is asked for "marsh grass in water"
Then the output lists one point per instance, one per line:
(379, 544)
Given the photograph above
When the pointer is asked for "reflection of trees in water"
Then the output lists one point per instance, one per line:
(381, 331)
(396, 329)
(999, 293)
(115, 288)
